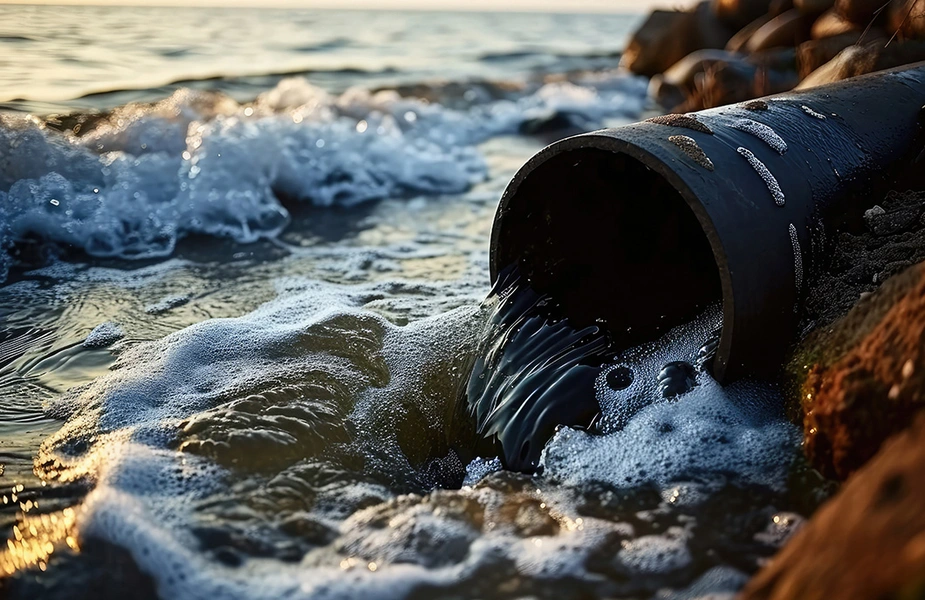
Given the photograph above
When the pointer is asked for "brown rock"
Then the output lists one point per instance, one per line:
(738, 41)
(830, 24)
(789, 29)
(863, 59)
(737, 13)
(666, 37)
(871, 380)
(867, 543)
(861, 12)
(730, 82)
(907, 18)
(812, 8)
(813, 54)
(672, 87)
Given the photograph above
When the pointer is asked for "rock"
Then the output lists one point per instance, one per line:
(738, 41)
(738, 81)
(867, 543)
(666, 94)
(830, 24)
(907, 17)
(867, 58)
(555, 124)
(869, 379)
(813, 54)
(856, 257)
(672, 87)
(883, 222)
(666, 37)
(861, 12)
(812, 8)
(788, 29)
(737, 13)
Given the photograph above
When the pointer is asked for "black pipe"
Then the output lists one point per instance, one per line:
(644, 225)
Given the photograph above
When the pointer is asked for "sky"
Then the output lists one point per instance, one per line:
(507, 5)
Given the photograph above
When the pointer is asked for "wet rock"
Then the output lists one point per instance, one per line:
(861, 12)
(868, 381)
(785, 30)
(863, 59)
(556, 124)
(738, 41)
(868, 542)
(668, 36)
(812, 8)
(666, 94)
(727, 83)
(886, 222)
(907, 18)
(737, 13)
(813, 54)
(830, 24)
(671, 88)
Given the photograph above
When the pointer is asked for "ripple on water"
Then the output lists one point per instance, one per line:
(304, 441)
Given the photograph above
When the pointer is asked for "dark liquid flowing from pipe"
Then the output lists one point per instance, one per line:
(535, 371)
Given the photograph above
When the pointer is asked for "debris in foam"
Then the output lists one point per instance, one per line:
(694, 151)
(763, 132)
(685, 121)
(765, 174)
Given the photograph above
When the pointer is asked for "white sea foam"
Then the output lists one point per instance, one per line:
(317, 341)
(710, 431)
(201, 163)
(103, 335)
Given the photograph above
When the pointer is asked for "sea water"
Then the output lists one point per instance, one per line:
(239, 314)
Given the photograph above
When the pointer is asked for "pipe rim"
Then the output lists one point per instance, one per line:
(602, 140)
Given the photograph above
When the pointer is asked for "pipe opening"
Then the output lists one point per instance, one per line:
(609, 239)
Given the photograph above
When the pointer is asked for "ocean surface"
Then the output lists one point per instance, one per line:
(243, 281)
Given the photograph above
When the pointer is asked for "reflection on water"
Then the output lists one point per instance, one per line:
(62, 53)
(279, 418)
(308, 448)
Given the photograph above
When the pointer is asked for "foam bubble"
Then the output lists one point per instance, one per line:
(148, 175)
(656, 554)
(104, 334)
(294, 451)
(710, 431)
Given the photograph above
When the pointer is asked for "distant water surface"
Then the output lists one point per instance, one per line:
(53, 54)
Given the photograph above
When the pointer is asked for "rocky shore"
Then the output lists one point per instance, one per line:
(857, 386)
(857, 378)
(724, 51)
